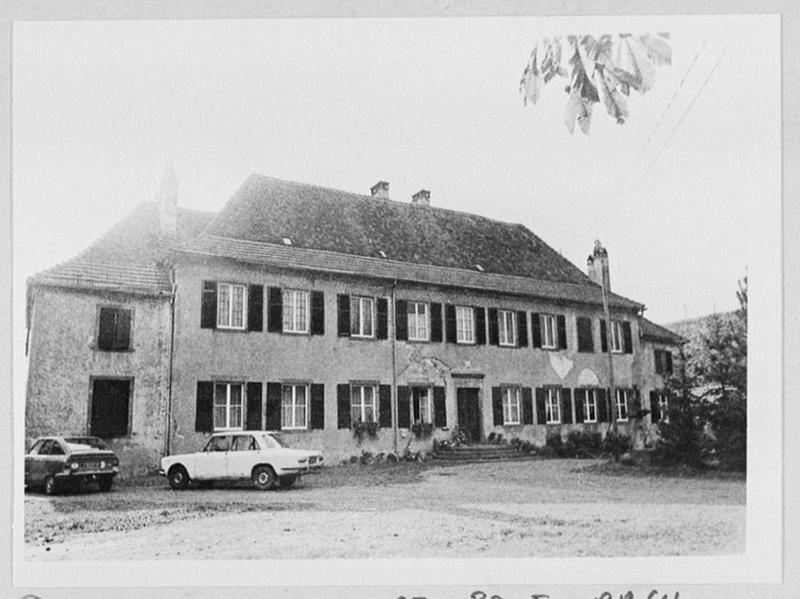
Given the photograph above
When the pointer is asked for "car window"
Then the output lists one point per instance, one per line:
(56, 449)
(90, 441)
(46, 447)
(35, 450)
(244, 443)
(270, 442)
(219, 443)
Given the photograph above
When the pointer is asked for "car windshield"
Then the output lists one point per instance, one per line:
(272, 441)
(91, 442)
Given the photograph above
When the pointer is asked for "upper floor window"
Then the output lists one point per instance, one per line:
(418, 329)
(363, 403)
(295, 311)
(231, 306)
(114, 330)
(294, 407)
(548, 327)
(512, 414)
(228, 401)
(465, 324)
(552, 406)
(663, 360)
(616, 337)
(362, 316)
(622, 405)
(507, 327)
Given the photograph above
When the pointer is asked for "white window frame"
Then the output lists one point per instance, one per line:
(590, 400)
(621, 405)
(228, 425)
(504, 318)
(294, 425)
(425, 411)
(512, 405)
(362, 403)
(227, 323)
(298, 321)
(549, 331)
(663, 408)
(617, 343)
(421, 316)
(465, 325)
(552, 399)
(359, 304)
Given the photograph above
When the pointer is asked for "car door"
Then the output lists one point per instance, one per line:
(242, 456)
(212, 462)
(34, 469)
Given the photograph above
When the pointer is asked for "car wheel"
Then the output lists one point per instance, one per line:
(178, 478)
(50, 485)
(105, 484)
(287, 482)
(264, 478)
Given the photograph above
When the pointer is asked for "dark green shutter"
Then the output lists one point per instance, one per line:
(627, 337)
(669, 362)
(522, 328)
(527, 405)
(255, 308)
(401, 320)
(580, 399)
(343, 304)
(536, 329)
(253, 407)
(480, 325)
(208, 305)
(317, 420)
(415, 406)
(566, 405)
(204, 412)
(439, 407)
(497, 405)
(403, 407)
(274, 406)
(105, 334)
(123, 335)
(343, 403)
(603, 336)
(385, 406)
(585, 335)
(275, 310)
(561, 323)
(602, 406)
(383, 318)
(317, 313)
(436, 322)
(654, 412)
(494, 327)
(450, 323)
(541, 413)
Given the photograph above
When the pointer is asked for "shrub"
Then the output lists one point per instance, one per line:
(362, 430)
(616, 443)
(422, 430)
(728, 423)
(547, 451)
(680, 437)
(582, 444)
(556, 443)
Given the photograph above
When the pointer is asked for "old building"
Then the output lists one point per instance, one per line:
(330, 315)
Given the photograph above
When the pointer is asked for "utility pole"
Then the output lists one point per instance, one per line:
(601, 254)
(392, 317)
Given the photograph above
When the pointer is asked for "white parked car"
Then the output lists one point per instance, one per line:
(250, 455)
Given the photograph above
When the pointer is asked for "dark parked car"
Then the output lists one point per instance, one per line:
(54, 463)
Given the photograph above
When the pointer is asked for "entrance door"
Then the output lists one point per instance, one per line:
(469, 414)
(110, 399)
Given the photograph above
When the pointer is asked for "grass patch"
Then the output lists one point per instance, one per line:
(617, 469)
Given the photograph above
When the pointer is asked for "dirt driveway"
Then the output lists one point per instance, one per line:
(513, 509)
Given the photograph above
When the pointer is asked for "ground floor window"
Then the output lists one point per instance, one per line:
(228, 406)
(590, 406)
(294, 407)
(363, 399)
(663, 407)
(421, 404)
(110, 402)
(622, 405)
(552, 406)
(511, 406)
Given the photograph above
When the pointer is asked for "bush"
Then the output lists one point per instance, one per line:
(422, 430)
(583, 444)
(728, 425)
(361, 430)
(556, 443)
(680, 437)
(616, 443)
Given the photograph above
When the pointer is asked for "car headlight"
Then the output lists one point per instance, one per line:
(102, 464)
(74, 465)
(302, 460)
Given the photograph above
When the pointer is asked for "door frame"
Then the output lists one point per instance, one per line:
(478, 411)
(100, 377)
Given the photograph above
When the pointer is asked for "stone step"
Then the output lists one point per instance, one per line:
(473, 453)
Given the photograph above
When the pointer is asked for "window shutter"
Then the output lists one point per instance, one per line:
(105, 334)
(561, 323)
(450, 323)
(497, 405)
(669, 361)
(401, 320)
(654, 415)
(253, 407)
(415, 406)
(317, 420)
(317, 313)
(204, 413)
(541, 414)
(657, 360)
(436, 323)
(343, 390)
(494, 328)
(123, 336)
(602, 406)
(627, 337)
(585, 335)
(603, 336)
(527, 405)
(522, 328)
(636, 404)
(385, 406)
(343, 301)
(580, 399)
(382, 331)
(439, 408)
(403, 415)
(255, 308)
(566, 405)
(536, 329)
(480, 325)
(275, 310)
(208, 305)
(274, 406)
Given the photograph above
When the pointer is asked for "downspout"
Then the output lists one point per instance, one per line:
(168, 434)
(393, 395)
(612, 401)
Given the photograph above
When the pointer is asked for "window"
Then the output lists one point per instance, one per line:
(114, 329)
(244, 443)
(511, 406)
(362, 403)
(294, 407)
(109, 414)
(663, 360)
(421, 404)
(548, 325)
(465, 325)
(585, 334)
(622, 405)
(616, 336)
(295, 311)
(590, 406)
(663, 408)
(417, 321)
(507, 325)
(552, 406)
(362, 322)
(231, 306)
(227, 406)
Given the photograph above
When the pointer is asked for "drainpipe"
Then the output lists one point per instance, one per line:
(612, 401)
(393, 337)
(168, 433)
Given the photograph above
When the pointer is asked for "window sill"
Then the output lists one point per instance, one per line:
(296, 333)
(113, 351)
(467, 343)
(229, 330)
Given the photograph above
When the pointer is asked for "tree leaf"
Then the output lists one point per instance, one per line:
(577, 109)
(616, 105)
(658, 50)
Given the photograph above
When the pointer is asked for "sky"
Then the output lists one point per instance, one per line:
(100, 108)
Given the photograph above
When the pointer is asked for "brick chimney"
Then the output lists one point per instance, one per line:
(380, 190)
(168, 202)
(421, 198)
(597, 266)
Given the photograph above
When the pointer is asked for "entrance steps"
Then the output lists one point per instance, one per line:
(478, 453)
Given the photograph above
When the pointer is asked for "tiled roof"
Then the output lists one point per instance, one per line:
(128, 257)
(655, 332)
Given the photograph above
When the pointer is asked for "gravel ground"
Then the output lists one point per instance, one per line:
(513, 509)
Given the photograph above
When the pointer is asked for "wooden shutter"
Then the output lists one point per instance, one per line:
(275, 310)
(253, 407)
(657, 359)
(317, 313)
(401, 320)
(627, 337)
(382, 330)
(585, 335)
(541, 413)
(603, 336)
(403, 407)
(580, 399)
(274, 406)
(494, 328)
(527, 405)
(654, 412)
(522, 328)
(602, 406)
(480, 325)
(255, 308)
(669, 361)
(439, 407)
(436, 323)
(497, 405)
(566, 405)
(317, 420)
(343, 303)
(536, 329)
(204, 412)
(450, 323)
(105, 333)
(415, 415)
(385, 406)
(343, 397)
(561, 323)
(122, 339)
(208, 305)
